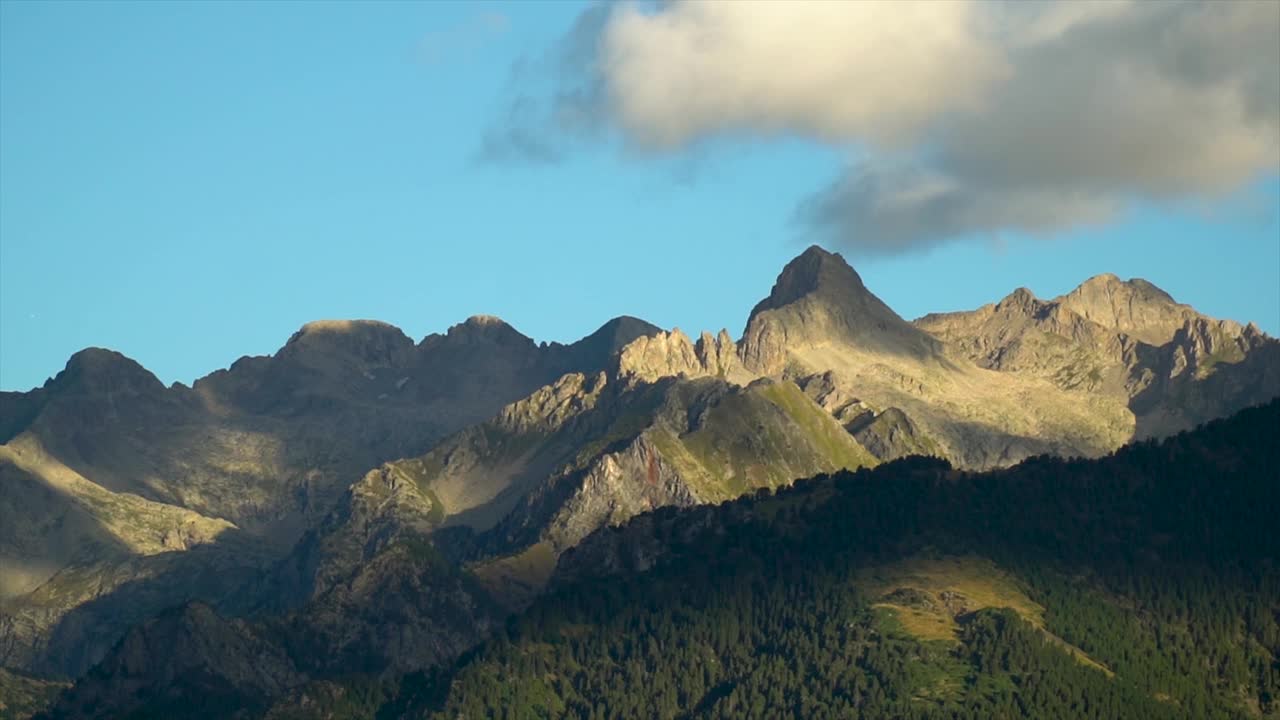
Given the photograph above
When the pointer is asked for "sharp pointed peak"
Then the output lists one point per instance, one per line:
(815, 270)
(817, 251)
(819, 298)
(815, 257)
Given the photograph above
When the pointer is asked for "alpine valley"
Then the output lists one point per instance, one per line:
(1044, 508)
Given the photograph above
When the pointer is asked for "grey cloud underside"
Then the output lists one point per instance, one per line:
(883, 211)
(1172, 102)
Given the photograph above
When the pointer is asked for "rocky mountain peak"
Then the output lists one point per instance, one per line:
(1020, 299)
(482, 329)
(483, 320)
(367, 341)
(1135, 307)
(819, 299)
(615, 335)
(98, 370)
(815, 271)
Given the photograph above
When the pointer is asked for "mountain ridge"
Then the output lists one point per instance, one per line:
(497, 453)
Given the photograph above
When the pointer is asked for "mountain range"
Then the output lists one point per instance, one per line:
(361, 504)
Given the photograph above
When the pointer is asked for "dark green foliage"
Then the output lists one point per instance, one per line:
(1158, 562)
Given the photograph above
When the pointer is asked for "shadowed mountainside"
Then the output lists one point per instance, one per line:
(107, 473)
(1055, 588)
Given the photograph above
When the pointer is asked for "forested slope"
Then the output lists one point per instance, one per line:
(1140, 585)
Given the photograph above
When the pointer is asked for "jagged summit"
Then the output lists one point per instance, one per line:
(1135, 307)
(673, 354)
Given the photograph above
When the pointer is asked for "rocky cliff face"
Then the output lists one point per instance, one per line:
(1128, 340)
(585, 452)
(672, 354)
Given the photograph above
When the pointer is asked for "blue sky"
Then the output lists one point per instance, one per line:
(189, 183)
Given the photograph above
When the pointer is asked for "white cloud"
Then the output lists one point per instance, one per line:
(972, 117)
(842, 71)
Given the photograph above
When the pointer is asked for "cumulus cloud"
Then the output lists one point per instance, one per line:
(841, 71)
(966, 117)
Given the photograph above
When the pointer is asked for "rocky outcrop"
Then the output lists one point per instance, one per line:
(551, 406)
(616, 487)
(673, 354)
(835, 397)
(890, 435)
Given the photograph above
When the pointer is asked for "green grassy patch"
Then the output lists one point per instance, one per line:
(830, 439)
(926, 595)
(516, 579)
